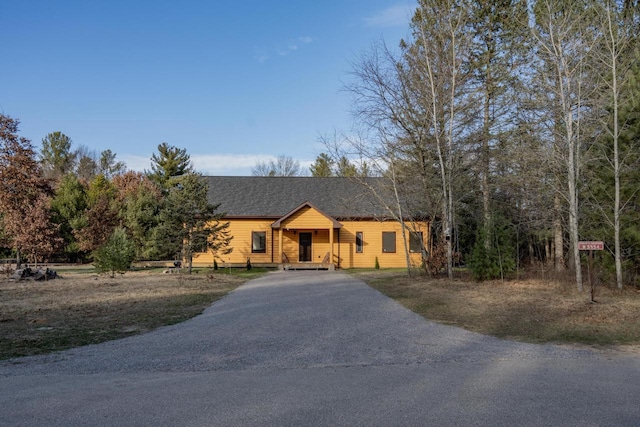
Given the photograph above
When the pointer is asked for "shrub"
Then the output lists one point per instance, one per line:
(497, 260)
(435, 263)
(116, 255)
(377, 264)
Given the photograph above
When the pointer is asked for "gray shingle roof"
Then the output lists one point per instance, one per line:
(274, 197)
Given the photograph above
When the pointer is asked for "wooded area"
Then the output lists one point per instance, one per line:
(72, 206)
(515, 126)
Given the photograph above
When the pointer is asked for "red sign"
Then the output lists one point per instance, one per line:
(590, 246)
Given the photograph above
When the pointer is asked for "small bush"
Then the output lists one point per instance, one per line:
(215, 264)
(377, 264)
(497, 260)
(248, 264)
(435, 263)
(116, 255)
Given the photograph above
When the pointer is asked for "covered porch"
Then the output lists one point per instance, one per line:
(307, 238)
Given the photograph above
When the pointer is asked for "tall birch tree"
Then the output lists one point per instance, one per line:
(615, 56)
(436, 58)
(563, 32)
(416, 103)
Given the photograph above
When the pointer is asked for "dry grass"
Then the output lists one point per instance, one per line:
(83, 308)
(526, 310)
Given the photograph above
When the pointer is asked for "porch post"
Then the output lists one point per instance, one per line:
(280, 249)
(331, 231)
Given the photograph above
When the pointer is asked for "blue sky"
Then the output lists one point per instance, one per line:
(232, 82)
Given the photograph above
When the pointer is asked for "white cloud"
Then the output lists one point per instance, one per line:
(214, 164)
(227, 164)
(394, 16)
(261, 57)
(136, 163)
(291, 46)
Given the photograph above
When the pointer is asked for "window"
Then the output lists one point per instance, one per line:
(359, 242)
(388, 241)
(258, 242)
(415, 242)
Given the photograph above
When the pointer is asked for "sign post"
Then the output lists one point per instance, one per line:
(591, 246)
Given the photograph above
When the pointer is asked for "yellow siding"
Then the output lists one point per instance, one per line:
(372, 244)
(290, 245)
(309, 220)
(319, 244)
(241, 230)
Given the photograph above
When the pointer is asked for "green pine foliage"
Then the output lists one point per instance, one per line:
(57, 158)
(139, 205)
(323, 166)
(69, 205)
(600, 183)
(497, 260)
(116, 255)
(188, 223)
(168, 163)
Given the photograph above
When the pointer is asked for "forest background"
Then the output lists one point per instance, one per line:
(513, 125)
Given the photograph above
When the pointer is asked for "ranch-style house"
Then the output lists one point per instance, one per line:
(311, 222)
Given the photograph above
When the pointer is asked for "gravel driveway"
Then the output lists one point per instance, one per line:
(318, 348)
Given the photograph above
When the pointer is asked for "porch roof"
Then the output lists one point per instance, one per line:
(278, 223)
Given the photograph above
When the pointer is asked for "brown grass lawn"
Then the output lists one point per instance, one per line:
(83, 308)
(524, 310)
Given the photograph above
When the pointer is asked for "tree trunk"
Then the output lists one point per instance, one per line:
(547, 251)
(573, 211)
(401, 218)
(617, 248)
(616, 166)
(486, 166)
(558, 241)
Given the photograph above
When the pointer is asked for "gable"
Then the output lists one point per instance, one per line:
(306, 216)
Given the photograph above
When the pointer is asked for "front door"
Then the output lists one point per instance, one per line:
(305, 247)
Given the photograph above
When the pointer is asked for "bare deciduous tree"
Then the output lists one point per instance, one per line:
(416, 105)
(282, 166)
(615, 57)
(564, 37)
